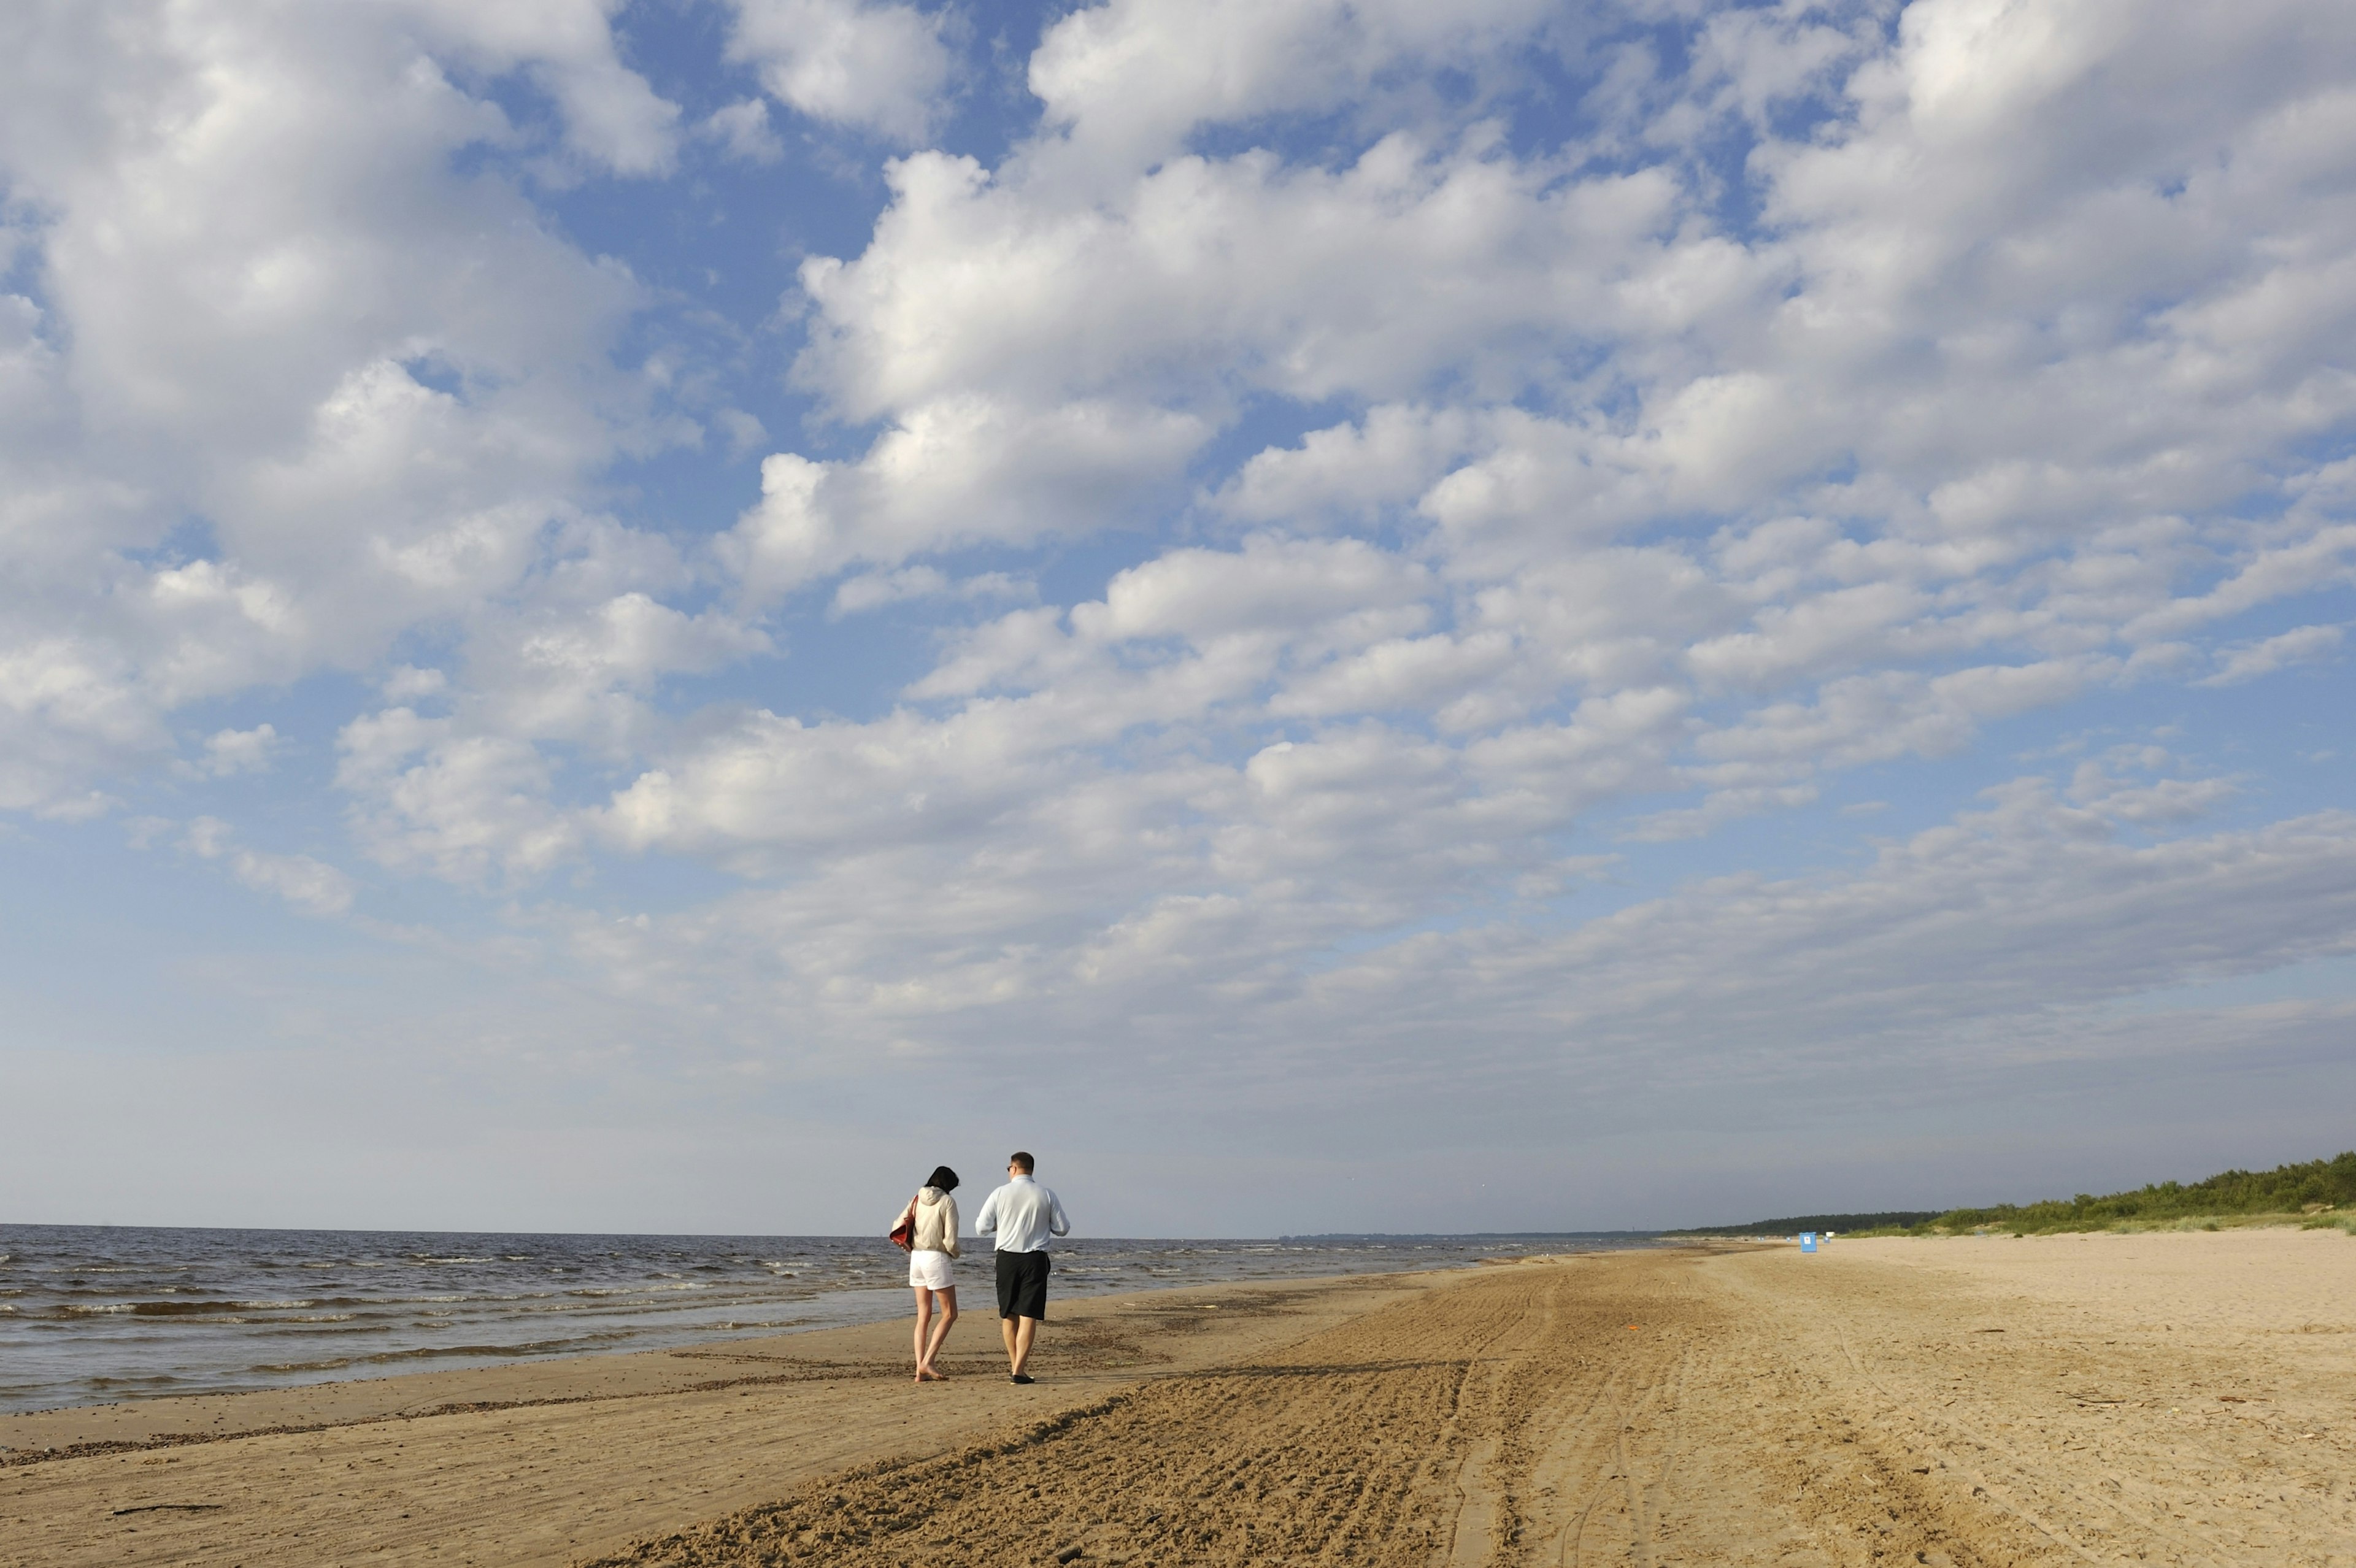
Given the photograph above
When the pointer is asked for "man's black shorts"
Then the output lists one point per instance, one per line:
(1023, 1285)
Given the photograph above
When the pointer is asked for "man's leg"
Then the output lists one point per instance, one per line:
(1014, 1358)
(1019, 1334)
(1009, 1273)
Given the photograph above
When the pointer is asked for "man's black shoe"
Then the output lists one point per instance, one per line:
(1023, 1377)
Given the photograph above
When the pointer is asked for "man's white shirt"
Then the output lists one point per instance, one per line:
(1022, 1215)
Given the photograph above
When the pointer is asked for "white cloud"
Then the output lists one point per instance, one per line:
(743, 129)
(462, 807)
(310, 885)
(1312, 494)
(2140, 802)
(873, 590)
(407, 683)
(2026, 906)
(270, 304)
(2247, 661)
(961, 472)
(1987, 943)
(611, 115)
(1131, 79)
(880, 67)
(231, 751)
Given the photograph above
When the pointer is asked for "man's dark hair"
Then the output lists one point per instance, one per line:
(943, 1177)
(1021, 1162)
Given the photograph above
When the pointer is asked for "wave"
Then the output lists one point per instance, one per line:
(182, 1308)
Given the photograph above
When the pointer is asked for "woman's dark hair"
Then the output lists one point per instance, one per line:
(943, 1177)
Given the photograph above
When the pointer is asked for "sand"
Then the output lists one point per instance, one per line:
(2168, 1398)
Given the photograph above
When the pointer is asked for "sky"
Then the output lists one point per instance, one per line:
(657, 614)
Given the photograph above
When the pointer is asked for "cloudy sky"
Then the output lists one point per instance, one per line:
(654, 615)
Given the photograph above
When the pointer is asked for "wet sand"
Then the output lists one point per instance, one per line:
(2172, 1398)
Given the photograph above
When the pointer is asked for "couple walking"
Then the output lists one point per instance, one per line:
(1019, 1217)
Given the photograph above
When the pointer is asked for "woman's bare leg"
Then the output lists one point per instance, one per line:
(947, 1314)
(923, 1322)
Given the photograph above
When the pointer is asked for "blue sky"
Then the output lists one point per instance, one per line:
(660, 616)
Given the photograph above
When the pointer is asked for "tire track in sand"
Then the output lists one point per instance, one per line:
(1446, 1431)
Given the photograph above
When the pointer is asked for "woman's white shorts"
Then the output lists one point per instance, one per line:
(930, 1271)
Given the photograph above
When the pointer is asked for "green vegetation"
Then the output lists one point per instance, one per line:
(2320, 1193)
(1890, 1222)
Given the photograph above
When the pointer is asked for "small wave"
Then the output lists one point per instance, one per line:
(426, 1260)
(339, 1364)
(183, 1308)
(153, 1380)
(529, 1348)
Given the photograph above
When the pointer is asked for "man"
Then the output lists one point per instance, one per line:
(1019, 1217)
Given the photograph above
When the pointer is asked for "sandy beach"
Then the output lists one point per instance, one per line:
(2163, 1398)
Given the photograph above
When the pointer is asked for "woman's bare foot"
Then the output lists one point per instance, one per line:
(929, 1375)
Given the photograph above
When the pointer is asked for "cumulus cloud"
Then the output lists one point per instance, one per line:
(303, 385)
(880, 67)
(953, 474)
(231, 751)
(611, 115)
(743, 129)
(1129, 79)
(312, 886)
(1325, 462)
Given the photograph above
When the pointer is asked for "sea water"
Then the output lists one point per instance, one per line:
(91, 1314)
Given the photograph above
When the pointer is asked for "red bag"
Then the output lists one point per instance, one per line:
(903, 1234)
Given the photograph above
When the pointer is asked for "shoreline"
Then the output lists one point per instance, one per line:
(36, 1436)
(136, 1314)
(2183, 1396)
(623, 1444)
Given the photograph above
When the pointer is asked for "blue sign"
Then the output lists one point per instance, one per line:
(1807, 1241)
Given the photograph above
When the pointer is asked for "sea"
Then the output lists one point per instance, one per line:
(96, 1313)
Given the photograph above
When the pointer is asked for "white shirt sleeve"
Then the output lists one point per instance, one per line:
(985, 1223)
(1059, 1223)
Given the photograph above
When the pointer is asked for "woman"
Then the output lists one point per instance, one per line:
(934, 1215)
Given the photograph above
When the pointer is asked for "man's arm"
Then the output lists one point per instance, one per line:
(1059, 1222)
(985, 1223)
